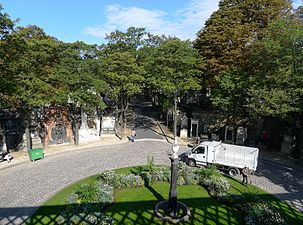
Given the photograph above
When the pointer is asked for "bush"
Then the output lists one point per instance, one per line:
(108, 177)
(216, 186)
(85, 219)
(213, 181)
(120, 181)
(87, 193)
(129, 181)
(187, 175)
(205, 173)
(106, 194)
(241, 201)
(262, 213)
(158, 174)
(86, 203)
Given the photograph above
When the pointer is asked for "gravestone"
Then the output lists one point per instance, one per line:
(89, 128)
(184, 126)
(108, 125)
(194, 127)
(229, 134)
(241, 136)
(286, 144)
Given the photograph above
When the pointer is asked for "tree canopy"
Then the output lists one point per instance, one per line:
(173, 66)
(232, 29)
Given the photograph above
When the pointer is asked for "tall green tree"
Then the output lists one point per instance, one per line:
(121, 68)
(277, 88)
(231, 30)
(278, 61)
(77, 81)
(29, 56)
(76, 76)
(6, 27)
(173, 66)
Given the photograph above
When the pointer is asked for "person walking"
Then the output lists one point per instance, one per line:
(245, 173)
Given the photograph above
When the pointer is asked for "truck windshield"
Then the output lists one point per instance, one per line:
(199, 150)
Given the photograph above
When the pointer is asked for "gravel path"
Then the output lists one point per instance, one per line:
(26, 186)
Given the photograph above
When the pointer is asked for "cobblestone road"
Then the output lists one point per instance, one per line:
(26, 186)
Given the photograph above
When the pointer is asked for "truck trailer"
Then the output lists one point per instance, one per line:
(227, 157)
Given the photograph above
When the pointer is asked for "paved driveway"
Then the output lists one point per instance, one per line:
(26, 186)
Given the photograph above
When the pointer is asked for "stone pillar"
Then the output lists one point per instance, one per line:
(194, 128)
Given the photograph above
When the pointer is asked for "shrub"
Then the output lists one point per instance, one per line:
(150, 164)
(158, 174)
(129, 181)
(241, 201)
(186, 175)
(85, 219)
(208, 172)
(108, 177)
(262, 213)
(120, 180)
(106, 194)
(86, 204)
(161, 174)
(87, 193)
(216, 186)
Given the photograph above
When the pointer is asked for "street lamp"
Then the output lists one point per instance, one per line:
(175, 118)
(172, 210)
(174, 159)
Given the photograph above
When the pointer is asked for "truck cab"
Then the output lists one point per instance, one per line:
(197, 155)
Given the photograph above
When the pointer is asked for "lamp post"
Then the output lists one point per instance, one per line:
(173, 211)
(172, 202)
(175, 118)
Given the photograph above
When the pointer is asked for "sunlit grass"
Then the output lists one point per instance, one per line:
(136, 205)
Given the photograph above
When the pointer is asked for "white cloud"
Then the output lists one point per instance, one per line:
(184, 23)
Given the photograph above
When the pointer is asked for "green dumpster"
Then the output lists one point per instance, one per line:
(36, 153)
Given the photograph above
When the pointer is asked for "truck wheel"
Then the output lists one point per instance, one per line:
(192, 163)
(232, 172)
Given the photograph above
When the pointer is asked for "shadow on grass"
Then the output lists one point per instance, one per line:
(203, 211)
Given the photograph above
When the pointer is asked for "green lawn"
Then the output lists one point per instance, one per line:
(135, 206)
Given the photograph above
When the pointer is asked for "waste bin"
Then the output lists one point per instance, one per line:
(36, 153)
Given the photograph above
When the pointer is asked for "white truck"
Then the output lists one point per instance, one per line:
(229, 158)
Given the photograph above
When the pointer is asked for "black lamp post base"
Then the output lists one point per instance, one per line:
(167, 214)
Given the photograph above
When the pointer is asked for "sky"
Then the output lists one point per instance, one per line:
(91, 20)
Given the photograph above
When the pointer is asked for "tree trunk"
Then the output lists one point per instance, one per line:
(29, 143)
(77, 125)
(297, 148)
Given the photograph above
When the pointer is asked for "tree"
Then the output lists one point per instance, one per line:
(121, 68)
(232, 92)
(278, 84)
(231, 30)
(173, 66)
(77, 81)
(28, 59)
(6, 24)
(278, 61)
